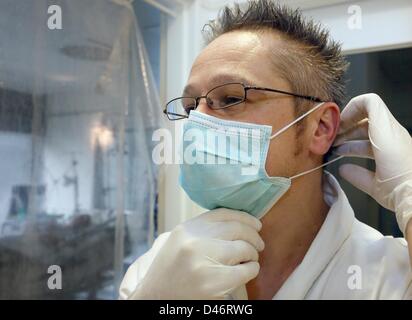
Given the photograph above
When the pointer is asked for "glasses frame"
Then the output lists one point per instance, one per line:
(246, 88)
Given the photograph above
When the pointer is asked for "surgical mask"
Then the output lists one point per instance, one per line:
(224, 164)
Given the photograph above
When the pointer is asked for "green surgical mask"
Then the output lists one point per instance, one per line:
(224, 166)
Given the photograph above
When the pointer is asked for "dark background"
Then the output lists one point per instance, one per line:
(388, 74)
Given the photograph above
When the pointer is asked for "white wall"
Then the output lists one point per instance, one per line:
(385, 24)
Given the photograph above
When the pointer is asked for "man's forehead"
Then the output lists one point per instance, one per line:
(231, 48)
(194, 87)
(239, 56)
(239, 45)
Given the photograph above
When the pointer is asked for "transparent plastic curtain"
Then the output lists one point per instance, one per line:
(78, 106)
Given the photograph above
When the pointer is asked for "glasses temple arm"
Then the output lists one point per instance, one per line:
(288, 93)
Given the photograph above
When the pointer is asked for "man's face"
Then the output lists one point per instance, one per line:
(244, 56)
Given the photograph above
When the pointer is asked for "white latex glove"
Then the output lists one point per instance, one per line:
(206, 257)
(369, 130)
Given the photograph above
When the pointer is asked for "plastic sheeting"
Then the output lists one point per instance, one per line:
(77, 183)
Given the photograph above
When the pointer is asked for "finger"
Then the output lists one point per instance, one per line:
(234, 230)
(361, 178)
(358, 132)
(368, 106)
(235, 252)
(245, 272)
(233, 277)
(223, 214)
(359, 149)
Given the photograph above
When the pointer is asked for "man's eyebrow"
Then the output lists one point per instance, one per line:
(217, 81)
(188, 89)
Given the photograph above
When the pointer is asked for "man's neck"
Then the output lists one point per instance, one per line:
(288, 231)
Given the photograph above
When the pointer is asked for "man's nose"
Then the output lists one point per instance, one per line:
(203, 107)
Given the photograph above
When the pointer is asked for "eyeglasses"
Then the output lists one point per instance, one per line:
(221, 97)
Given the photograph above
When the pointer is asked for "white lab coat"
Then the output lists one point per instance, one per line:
(346, 260)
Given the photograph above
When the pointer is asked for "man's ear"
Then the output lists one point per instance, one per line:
(325, 128)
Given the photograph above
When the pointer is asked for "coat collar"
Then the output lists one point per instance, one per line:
(335, 230)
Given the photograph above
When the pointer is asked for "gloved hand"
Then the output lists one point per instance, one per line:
(206, 257)
(369, 130)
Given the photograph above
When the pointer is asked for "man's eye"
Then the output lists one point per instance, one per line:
(228, 100)
(189, 108)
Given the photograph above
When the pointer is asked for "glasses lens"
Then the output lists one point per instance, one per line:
(226, 96)
(180, 108)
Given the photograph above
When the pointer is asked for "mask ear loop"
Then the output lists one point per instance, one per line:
(291, 124)
(295, 121)
(314, 169)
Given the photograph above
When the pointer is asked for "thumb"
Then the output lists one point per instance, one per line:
(361, 178)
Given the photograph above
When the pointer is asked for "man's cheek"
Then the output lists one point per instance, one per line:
(280, 158)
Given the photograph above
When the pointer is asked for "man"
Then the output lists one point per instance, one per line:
(286, 231)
